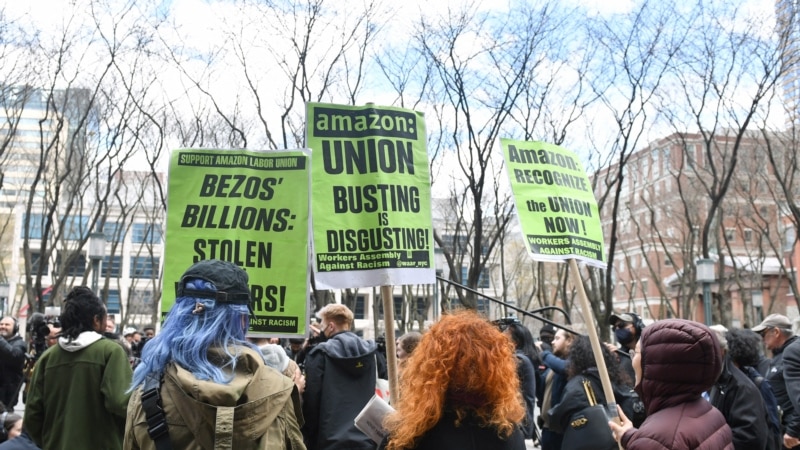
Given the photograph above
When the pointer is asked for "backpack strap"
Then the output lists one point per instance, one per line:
(154, 413)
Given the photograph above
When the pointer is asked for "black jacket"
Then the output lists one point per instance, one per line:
(574, 400)
(626, 364)
(12, 362)
(469, 436)
(784, 377)
(340, 380)
(527, 381)
(739, 400)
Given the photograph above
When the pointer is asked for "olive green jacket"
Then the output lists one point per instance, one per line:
(261, 404)
(77, 396)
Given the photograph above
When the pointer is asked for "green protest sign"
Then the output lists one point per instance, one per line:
(371, 196)
(249, 208)
(555, 204)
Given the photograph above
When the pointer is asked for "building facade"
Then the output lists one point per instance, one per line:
(58, 191)
(787, 13)
(665, 199)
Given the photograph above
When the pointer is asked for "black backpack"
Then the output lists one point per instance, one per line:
(775, 441)
(631, 405)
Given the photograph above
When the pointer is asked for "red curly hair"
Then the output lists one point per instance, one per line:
(464, 364)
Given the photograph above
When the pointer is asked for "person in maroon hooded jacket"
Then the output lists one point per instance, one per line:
(675, 361)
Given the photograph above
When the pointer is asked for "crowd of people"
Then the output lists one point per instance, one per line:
(465, 382)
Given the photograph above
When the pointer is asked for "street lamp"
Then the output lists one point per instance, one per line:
(758, 304)
(97, 249)
(3, 298)
(705, 275)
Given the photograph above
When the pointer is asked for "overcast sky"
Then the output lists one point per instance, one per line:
(201, 22)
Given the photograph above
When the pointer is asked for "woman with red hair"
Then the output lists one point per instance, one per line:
(460, 390)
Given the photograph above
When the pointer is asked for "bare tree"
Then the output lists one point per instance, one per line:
(636, 51)
(713, 72)
(479, 71)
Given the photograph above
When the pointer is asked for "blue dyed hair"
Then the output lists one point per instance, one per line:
(185, 338)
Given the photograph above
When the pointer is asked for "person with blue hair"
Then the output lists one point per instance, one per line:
(200, 384)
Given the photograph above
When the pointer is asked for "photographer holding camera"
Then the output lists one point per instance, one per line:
(38, 330)
(12, 362)
(42, 332)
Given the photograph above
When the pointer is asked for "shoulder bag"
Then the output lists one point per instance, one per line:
(588, 428)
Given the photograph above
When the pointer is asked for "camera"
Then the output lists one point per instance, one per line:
(505, 322)
(38, 328)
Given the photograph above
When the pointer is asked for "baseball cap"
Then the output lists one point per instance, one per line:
(624, 317)
(229, 279)
(774, 321)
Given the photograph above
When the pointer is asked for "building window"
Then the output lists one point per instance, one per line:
(421, 309)
(730, 235)
(398, 306)
(75, 228)
(791, 235)
(450, 244)
(112, 266)
(113, 232)
(113, 303)
(144, 266)
(146, 233)
(39, 265)
(655, 164)
(140, 300)
(458, 244)
(75, 267)
(397, 301)
(748, 235)
(33, 226)
(665, 160)
(483, 280)
(360, 308)
(688, 155)
(483, 305)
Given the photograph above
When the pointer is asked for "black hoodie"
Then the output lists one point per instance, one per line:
(340, 380)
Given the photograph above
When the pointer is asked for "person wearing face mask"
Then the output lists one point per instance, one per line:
(627, 329)
(340, 380)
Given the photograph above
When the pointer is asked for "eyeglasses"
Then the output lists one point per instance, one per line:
(764, 332)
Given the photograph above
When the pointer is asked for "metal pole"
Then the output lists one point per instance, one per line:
(95, 273)
(391, 346)
(436, 301)
(519, 310)
(707, 302)
(594, 340)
